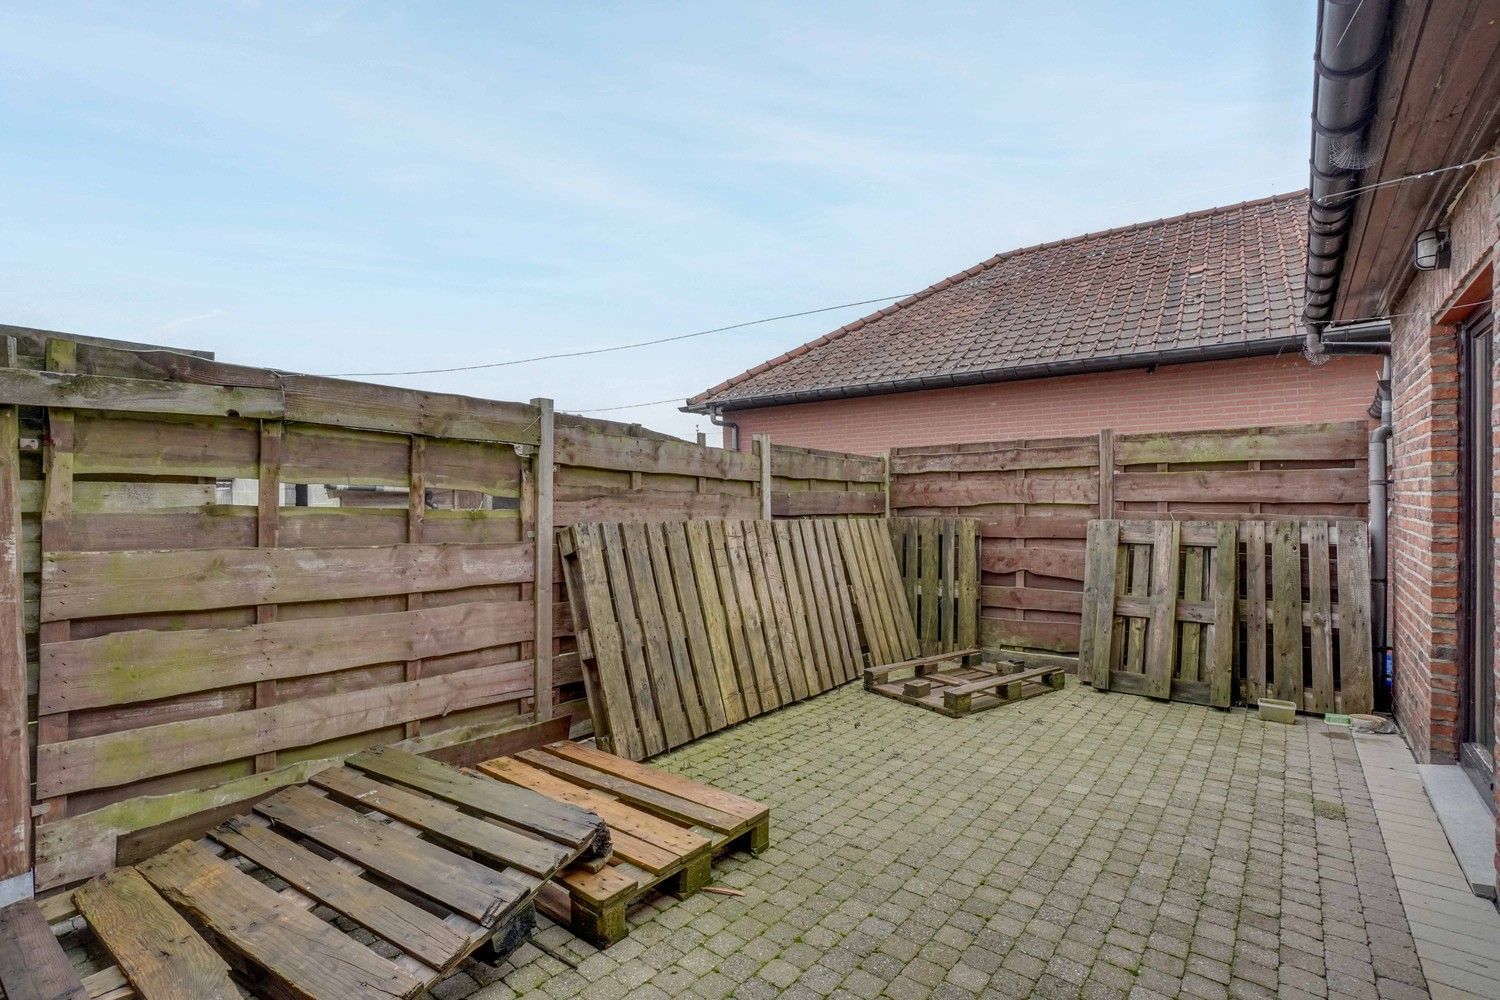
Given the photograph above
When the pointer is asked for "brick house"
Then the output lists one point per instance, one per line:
(1403, 252)
(1185, 323)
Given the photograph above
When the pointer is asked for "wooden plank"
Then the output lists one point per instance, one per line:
(445, 825)
(730, 702)
(899, 643)
(15, 766)
(632, 637)
(665, 781)
(1059, 637)
(33, 965)
(1220, 637)
(947, 610)
(1032, 598)
(575, 828)
(707, 708)
(1106, 473)
(656, 648)
(1062, 563)
(675, 631)
(826, 503)
(90, 584)
(593, 615)
(1254, 534)
(967, 596)
(742, 680)
(804, 463)
(57, 512)
(1161, 637)
(840, 595)
(652, 505)
(824, 649)
(160, 955)
(759, 675)
(542, 465)
(131, 755)
(787, 658)
(984, 488)
(1098, 603)
(418, 933)
(638, 837)
(1356, 669)
(890, 575)
(149, 664)
(583, 446)
(803, 618)
(1320, 603)
(929, 584)
(296, 950)
(646, 797)
(1190, 649)
(133, 395)
(267, 531)
(1246, 486)
(998, 457)
(1337, 441)
(1286, 611)
(876, 631)
(464, 886)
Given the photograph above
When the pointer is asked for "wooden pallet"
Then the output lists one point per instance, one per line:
(943, 684)
(1203, 611)
(939, 562)
(686, 628)
(435, 863)
(666, 831)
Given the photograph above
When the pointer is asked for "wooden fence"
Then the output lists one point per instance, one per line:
(1034, 499)
(939, 563)
(183, 655)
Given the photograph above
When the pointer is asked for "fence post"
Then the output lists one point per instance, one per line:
(762, 443)
(885, 463)
(541, 589)
(15, 779)
(1106, 473)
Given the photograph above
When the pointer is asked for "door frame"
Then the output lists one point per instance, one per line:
(1476, 553)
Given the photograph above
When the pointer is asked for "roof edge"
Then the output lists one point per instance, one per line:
(1118, 362)
(959, 277)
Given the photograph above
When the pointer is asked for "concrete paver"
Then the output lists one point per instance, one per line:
(1076, 845)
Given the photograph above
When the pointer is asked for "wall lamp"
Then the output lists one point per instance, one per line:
(1431, 251)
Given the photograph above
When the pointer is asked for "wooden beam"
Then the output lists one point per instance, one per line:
(15, 766)
(416, 513)
(267, 532)
(542, 588)
(1106, 473)
(57, 515)
(763, 448)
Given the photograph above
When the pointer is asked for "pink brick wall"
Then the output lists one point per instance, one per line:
(1247, 392)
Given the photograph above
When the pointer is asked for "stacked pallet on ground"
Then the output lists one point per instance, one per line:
(665, 830)
(943, 683)
(431, 862)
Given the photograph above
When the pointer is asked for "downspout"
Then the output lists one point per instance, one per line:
(1379, 523)
(716, 417)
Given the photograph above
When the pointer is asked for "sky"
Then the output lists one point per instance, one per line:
(354, 187)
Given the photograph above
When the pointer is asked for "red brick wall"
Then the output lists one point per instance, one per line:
(1248, 392)
(1425, 481)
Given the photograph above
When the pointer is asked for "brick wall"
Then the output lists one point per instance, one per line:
(1248, 392)
(1424, 531)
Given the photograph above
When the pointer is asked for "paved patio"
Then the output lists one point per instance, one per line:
(1077, 845)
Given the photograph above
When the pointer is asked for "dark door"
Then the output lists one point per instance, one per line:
(1476, 556)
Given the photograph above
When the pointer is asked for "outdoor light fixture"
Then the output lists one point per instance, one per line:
(1430, 252)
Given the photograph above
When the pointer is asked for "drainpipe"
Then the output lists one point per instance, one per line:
(1379, 496)
(716, 417)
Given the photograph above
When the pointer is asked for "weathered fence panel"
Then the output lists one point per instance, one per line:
(1034, 499)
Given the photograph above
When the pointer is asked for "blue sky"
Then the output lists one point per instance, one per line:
(359, 186)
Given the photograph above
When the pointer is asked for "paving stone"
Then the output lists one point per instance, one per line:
(1078, 845)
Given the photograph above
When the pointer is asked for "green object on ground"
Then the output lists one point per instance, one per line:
(1334, 719)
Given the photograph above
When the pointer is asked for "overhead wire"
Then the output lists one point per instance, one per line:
(622, 347)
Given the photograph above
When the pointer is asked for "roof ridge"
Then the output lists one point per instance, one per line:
(961, 276)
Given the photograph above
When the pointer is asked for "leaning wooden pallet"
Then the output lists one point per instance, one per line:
(1160, 615)
(665, 830)
(433, 862)
(685, 628)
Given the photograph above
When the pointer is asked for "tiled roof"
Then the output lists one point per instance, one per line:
(1217, 282)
